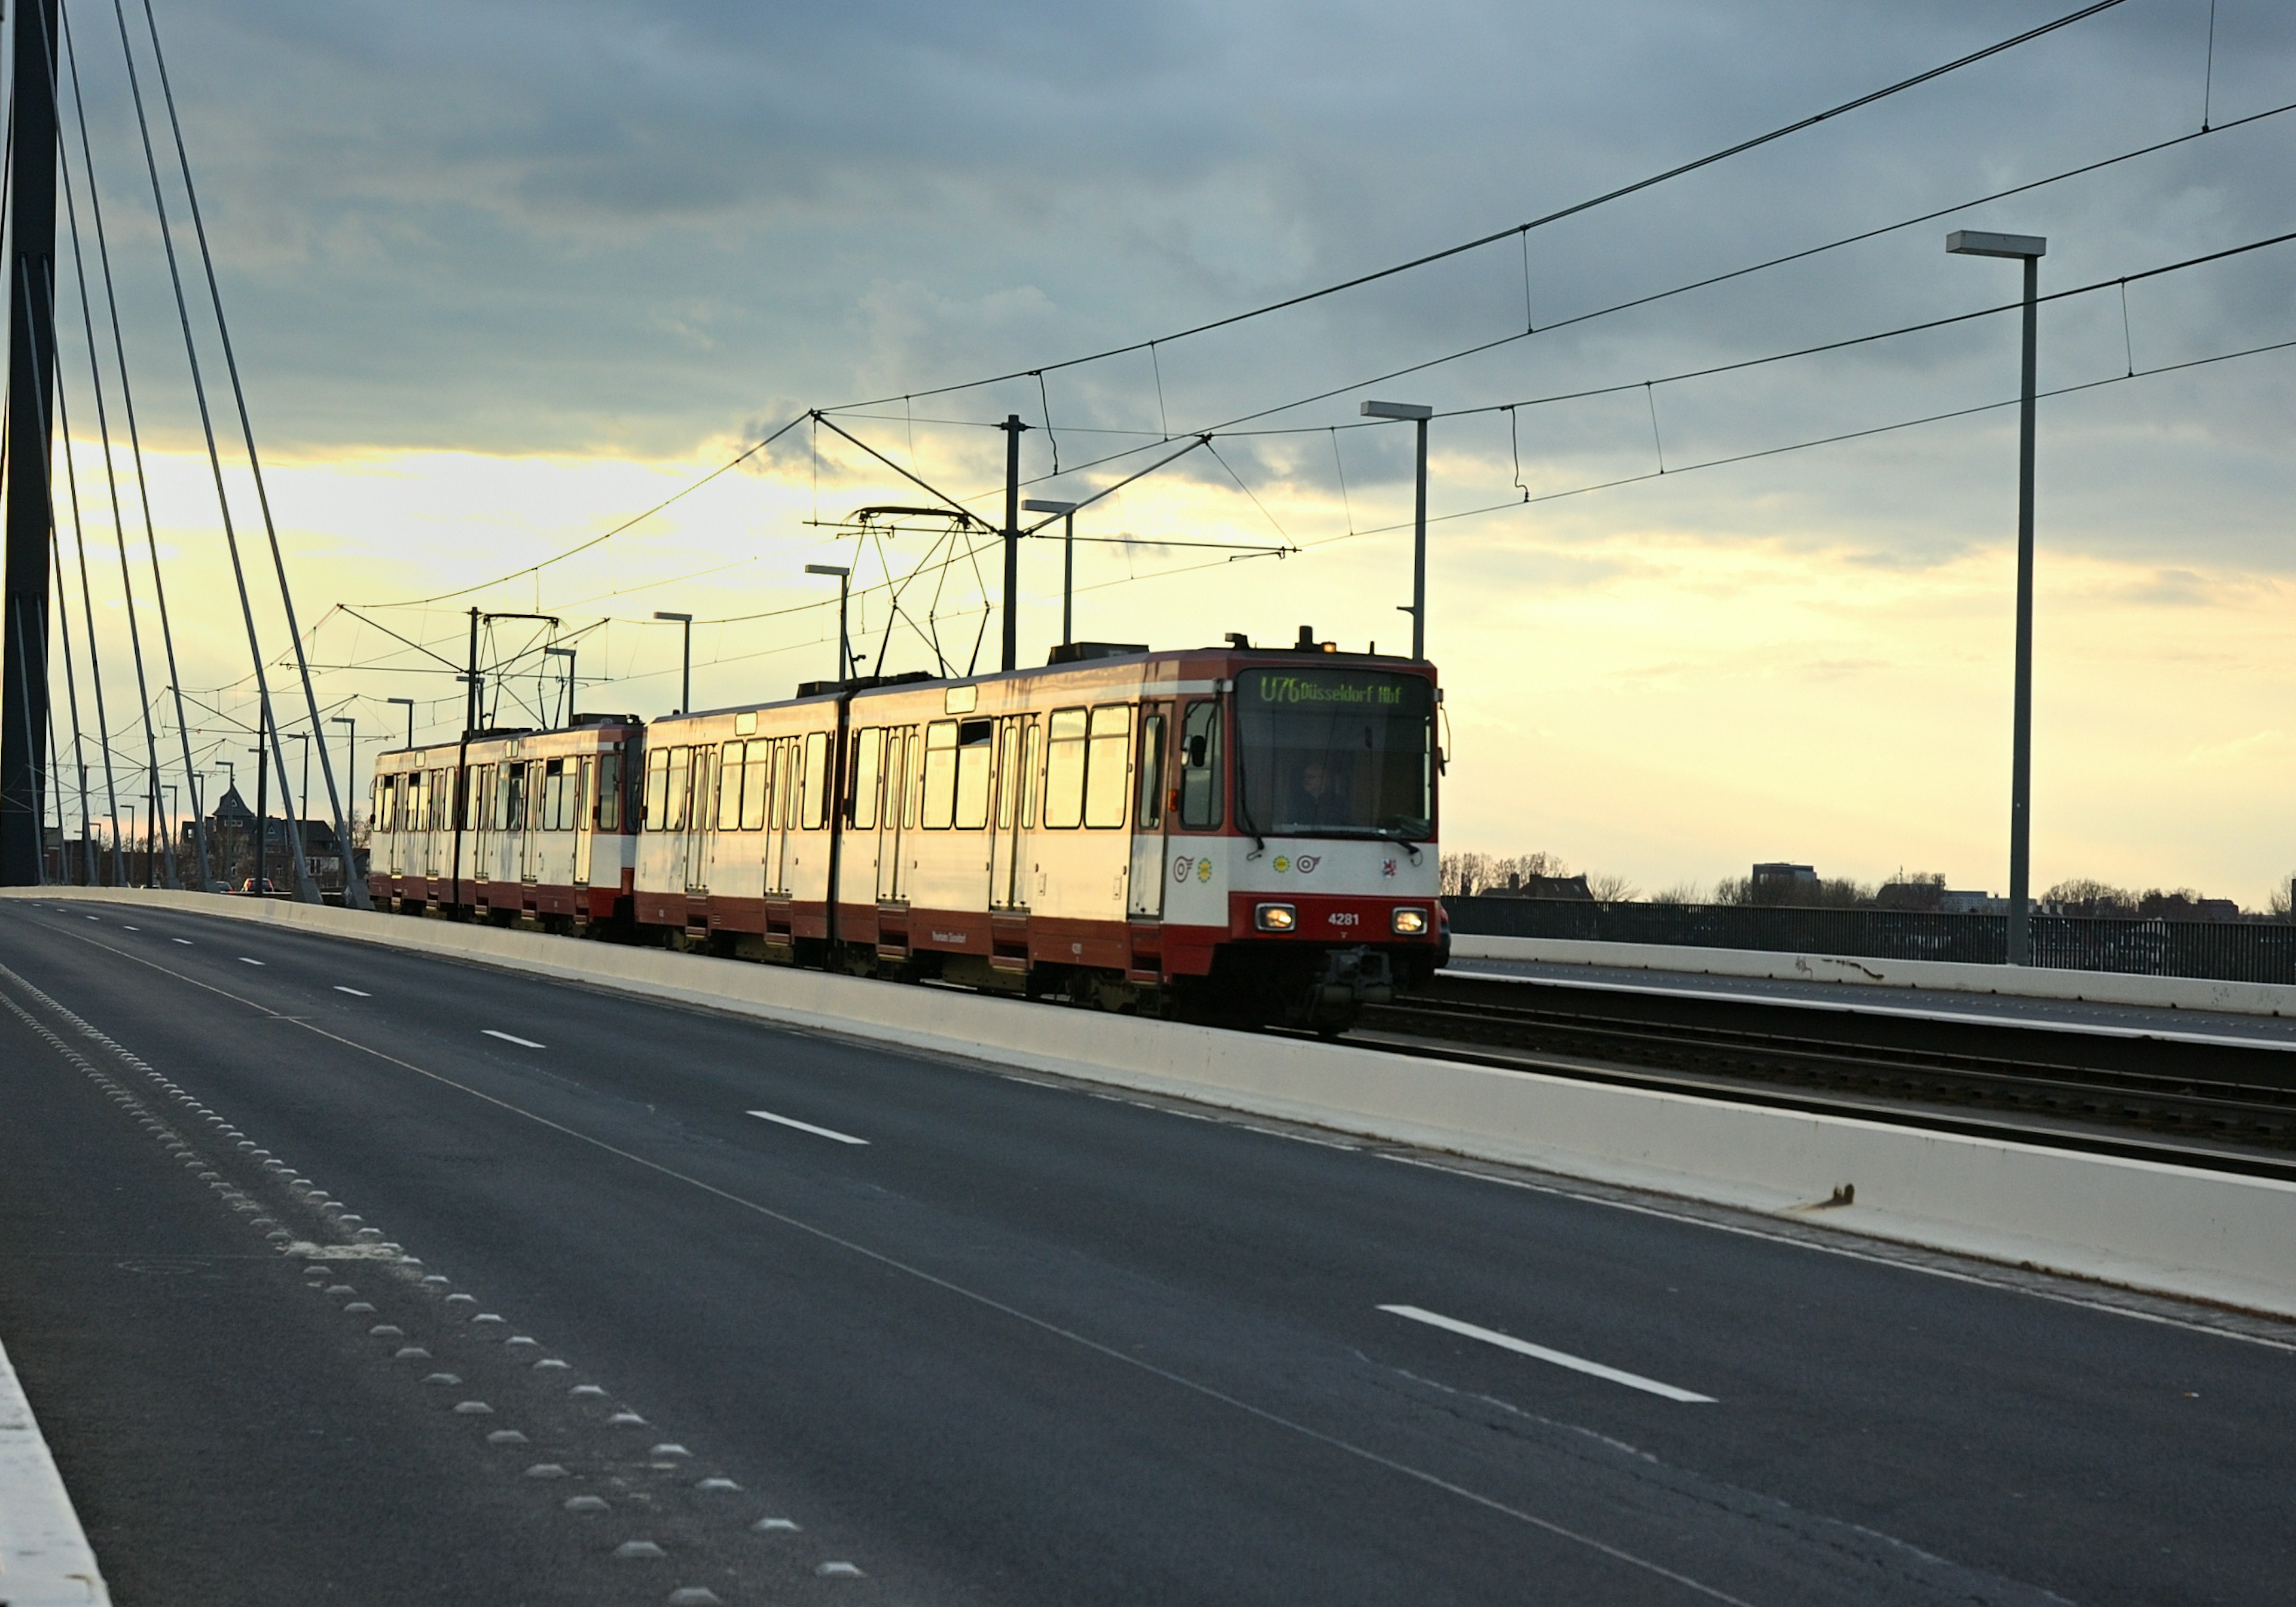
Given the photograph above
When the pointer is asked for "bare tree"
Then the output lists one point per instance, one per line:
(1609, 888)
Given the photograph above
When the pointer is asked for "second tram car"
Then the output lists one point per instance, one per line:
(1224, 833)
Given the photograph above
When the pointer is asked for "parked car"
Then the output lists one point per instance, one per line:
(248, 886)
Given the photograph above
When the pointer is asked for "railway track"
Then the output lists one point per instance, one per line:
(2223, 1105)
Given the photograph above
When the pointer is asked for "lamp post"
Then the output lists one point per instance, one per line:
(2027, 249)
(1067, 511)
(686, 682)
(844, 590)
(1418, 609)
(566, 653)
(410, 717)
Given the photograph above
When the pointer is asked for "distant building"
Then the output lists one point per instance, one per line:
(1970, 901)
(1542, 887)
(231, 842)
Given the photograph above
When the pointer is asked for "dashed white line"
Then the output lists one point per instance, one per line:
(1561, 1359)
(186, 942)
(243, 960)
(507, 1038)
(124, 927)
(355, 992)
(807, 1126)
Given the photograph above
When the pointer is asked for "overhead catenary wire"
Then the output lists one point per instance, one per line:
(1556, 216)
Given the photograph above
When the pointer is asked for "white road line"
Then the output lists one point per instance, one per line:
(807, 1126)
(243, 960)
(186, 942)
(124, 927)
(354, 992)
(1561, 1359)
(523, 1043)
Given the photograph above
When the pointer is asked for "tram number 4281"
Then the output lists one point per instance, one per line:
(1343, 918)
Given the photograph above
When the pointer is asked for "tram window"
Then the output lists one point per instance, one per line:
(553, 795)
(940, 776)
(1032, 748)
(975, 746)
(1064, 769)
(681, 763)
(610, 792)
(1008, 779)
(509, 796)
(757, 772)
(817, 781)
(412, 817)
(912, 783)
(868, 757)
(1108, 765)
(385, 793)
(1199, 768)
(1150, 811)
(579, 815)
(729, 788)
(657, 793)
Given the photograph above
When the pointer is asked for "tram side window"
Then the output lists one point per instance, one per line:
(868, 757)
(757, 783)
(1064, 769)
(386, 818)
(912, 783)
(681, 765)
(817, 781)
(975, 746)
(656, 817)
(1107, 766)
(1150, 811)
(730, 770)
(554, 817)
(940, 776)
(580, 787)
(1032, 753)
(1200, 767)
(414, 801)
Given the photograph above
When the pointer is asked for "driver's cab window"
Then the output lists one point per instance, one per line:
(1200, 767)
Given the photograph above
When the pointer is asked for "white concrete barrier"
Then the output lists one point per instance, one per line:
(45, 1560)
(2172, 1229)
(2019, 981)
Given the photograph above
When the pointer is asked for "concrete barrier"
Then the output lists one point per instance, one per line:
(2018, 981)
(2171, 1229)
(45, 1560)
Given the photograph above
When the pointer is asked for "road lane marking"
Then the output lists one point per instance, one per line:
(523, 1043)
(1561, 1359)
(243, 960)
(124, 927)
(354, 992)
(186, 942)
(807, 1126)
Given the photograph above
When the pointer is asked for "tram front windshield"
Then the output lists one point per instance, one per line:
(1335, 753)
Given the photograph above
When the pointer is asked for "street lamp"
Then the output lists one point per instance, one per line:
(1067, 511)
(350, 767)
(1418, 609)
(2027, 249)
(685, 684)
(566, 653)
(410, 717)
(844, 590)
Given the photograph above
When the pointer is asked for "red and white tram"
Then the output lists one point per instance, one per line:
(1229, 832)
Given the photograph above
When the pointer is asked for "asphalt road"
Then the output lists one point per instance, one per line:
(336, 1273)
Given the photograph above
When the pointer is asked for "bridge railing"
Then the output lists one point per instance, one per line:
(2230, 951)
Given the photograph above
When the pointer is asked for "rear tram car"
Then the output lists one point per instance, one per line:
(1224, 833)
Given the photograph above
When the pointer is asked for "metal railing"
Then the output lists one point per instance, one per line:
(2228, 951)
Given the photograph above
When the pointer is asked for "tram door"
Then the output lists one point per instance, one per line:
(700, 818)
(780, 810)
(1146, 899)
(583, 784)
(1016, 762)
(899, 807)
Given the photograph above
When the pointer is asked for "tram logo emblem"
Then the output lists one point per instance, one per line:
(1182, 866)
(1283, 864)
(1306, 864)
(1387, 868)
(1203, 870)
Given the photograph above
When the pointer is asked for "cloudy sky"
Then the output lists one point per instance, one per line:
(502, 275)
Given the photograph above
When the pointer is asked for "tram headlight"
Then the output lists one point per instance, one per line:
(1276, 917)
(1410, 922)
